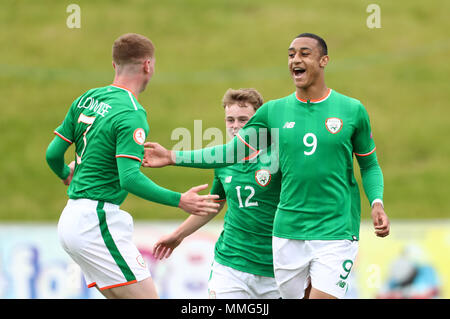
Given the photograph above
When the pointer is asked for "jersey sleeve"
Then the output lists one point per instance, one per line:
(55, 157)
(217, 189)
(372, 177)
(363, 143)
(66, 130)
(131, 131)
(134, 181)
(255, 134)
(215, 156)
(245, 146)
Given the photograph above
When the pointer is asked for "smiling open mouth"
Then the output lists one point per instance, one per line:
(298, 71)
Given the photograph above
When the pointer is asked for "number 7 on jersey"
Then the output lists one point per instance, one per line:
(86, 120)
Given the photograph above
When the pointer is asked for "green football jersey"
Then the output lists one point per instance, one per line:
(252, 192)
(104, 123)
(320, 198)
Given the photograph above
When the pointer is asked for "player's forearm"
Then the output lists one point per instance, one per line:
(192, 224)
(55, 157)
(216, 156)
(372, 177)
(133, 181)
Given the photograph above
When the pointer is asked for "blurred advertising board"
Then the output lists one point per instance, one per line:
(34, 265)
(412, 262)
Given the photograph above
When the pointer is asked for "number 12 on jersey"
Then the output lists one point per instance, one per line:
(86, 120)
(247, 203)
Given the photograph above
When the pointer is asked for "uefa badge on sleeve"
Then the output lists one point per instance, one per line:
(139, 136)
(333, 125)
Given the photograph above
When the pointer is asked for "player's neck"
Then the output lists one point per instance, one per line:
(313, 92)
(131, 84)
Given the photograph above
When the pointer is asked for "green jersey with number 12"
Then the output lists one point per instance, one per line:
(252, 192)
(104, 123)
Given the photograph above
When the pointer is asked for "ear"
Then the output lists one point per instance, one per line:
(114, 65)
(324, 61)
(146, 66)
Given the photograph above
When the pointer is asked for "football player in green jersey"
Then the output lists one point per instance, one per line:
(317, 130)
(109, 126)
(243, 265)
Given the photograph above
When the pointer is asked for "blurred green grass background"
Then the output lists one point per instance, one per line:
(203, 47)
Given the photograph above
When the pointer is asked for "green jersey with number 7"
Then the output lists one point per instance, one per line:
(104, 123)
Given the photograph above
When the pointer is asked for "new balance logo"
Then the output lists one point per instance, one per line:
(289, 125)
(341, 284)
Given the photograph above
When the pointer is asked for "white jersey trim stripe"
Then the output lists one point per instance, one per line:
(132, 100)
(129, 94)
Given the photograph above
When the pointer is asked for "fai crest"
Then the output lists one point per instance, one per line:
(333, 124)
(263, 177)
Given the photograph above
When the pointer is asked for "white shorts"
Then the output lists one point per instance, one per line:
(229, 283)
(98, 237)
(327, 263)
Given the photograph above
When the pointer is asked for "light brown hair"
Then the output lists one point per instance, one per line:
(242, 97)
(132, 48)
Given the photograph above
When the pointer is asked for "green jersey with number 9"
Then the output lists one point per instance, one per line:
(319, 195)
(104, 123)
(252, 192)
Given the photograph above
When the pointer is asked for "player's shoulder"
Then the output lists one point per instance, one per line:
(271, 107)
(348, 101)
(282, 100)
(345, 98)
(124, 98)
(121, 99)
(86, 93)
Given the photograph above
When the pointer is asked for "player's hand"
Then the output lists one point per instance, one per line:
(69, 178)
(380, 220)
(200, 205)
(165, 246)
(157, 156)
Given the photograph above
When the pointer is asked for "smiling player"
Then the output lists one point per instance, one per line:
(316, 225)
(243, 265)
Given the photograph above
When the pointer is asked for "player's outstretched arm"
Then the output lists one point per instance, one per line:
(157, 156)
(211, 157)
(164, 247)
(133, 181)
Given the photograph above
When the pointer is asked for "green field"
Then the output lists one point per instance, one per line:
(399, 71)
